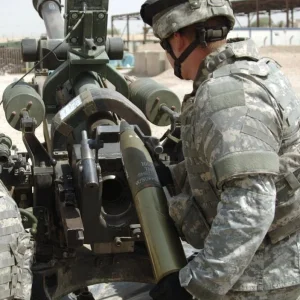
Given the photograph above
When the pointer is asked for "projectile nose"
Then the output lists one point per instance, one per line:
(124, 126)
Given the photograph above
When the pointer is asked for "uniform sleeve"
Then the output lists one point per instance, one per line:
(245, 213)
(237, 133)
(237, 130)
(179, 176)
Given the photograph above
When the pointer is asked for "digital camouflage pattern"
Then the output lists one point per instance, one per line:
(239, 198)
(16, 251)
(193, 11)
(289, 293)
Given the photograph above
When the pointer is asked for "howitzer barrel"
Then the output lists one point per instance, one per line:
(50, 12)
(164, 246)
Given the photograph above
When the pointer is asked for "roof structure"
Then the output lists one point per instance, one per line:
(247, 7)
(240, 8)
(250, 6)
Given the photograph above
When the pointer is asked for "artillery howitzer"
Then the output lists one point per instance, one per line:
(90, 193)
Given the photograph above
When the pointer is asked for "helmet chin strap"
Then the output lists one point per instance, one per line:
(203, 36)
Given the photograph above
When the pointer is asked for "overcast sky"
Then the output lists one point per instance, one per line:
(18, 18)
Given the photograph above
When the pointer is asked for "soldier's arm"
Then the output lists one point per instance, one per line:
(16, 251)
(244, 216)
(239, 137)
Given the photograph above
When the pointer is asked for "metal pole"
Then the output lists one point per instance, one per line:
(271, 36)
(270, 18)
(54, 22)
(293, 17)
(112, 26)
(128, 32)
(287, 14)
(145, 34)
(257, 13)
(249, 22)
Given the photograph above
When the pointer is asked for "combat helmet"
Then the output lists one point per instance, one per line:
(169, 16)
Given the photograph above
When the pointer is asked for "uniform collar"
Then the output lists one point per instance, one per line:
(234, 48)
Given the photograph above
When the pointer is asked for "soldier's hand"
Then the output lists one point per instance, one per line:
(169, 288)
(163, 174)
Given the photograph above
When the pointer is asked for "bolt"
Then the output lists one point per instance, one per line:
(22, 171)
(12, 115)
(99, 40)
(73, 40)
(75, 16)
(173, 108)
(101, 15)
(118, 242)
(29, 105)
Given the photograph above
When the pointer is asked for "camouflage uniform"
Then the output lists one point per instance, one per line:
(289, 293)
(16, 251)
(238, 190)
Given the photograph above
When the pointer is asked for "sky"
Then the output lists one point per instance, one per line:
(18, 18)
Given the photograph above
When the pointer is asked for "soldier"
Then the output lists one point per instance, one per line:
(238, 196)
(16, 251)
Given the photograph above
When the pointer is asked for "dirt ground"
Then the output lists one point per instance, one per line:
(288, 57)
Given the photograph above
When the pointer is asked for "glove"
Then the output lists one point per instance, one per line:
(169, 288)
(164, 174)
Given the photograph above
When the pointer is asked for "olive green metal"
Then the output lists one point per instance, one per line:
(164, 246)
(30, 219)
(115, 48)
(21, 97)
(94, 25)
(117, 80)
(148, 96)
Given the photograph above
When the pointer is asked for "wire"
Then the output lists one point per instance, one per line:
(68, 35)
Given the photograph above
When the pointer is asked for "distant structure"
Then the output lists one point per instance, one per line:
(132, 17)
(248, 8)
(259, 7)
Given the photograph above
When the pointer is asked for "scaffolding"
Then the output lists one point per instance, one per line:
(258, 7)
(132, 17)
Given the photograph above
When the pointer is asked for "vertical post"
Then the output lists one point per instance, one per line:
(128, 32)
(257, 13)
(271, 36)
(287, 13)
(293, 17)
(145, 34)
(270, 18)
(249, 21)
(112, 26)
